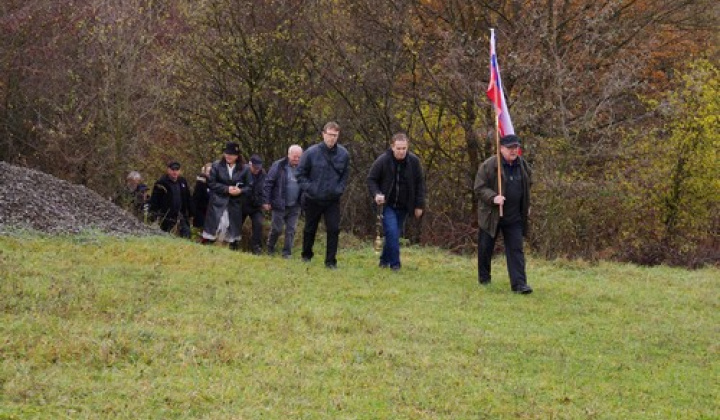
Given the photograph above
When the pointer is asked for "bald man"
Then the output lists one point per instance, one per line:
(281, 196)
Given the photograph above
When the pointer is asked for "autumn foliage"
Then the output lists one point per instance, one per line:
(614, 100)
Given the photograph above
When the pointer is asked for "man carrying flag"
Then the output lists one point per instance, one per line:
(502, 187)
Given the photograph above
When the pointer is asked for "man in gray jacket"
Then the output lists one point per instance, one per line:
(516, 178)
(281, 195)
(322, 174)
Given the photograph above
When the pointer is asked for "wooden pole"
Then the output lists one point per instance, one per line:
(499, 157)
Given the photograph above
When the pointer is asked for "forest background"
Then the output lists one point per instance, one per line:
(617, 102)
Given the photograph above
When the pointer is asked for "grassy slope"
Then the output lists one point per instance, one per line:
(161, 328)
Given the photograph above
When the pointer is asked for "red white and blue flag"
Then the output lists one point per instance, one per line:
(495, 92)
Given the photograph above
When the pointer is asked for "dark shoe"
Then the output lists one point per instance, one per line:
(257, 251)
(305, 259)
(523, 289)
(234, 246)
(206, 241)
(331, 266)
(383, 265)
(395, 267)
(484, 282)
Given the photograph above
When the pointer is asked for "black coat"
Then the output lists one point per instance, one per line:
(381, 179)
(201, 199)
(161, 202)
(254, 200)
(219, 182)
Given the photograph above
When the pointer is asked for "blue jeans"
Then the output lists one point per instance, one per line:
(393, 221)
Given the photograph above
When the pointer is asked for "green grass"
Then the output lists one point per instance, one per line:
(99, 327)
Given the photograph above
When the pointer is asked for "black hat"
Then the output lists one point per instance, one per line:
(256, 160)
(510, 140)
(173, 164)
(232, 148)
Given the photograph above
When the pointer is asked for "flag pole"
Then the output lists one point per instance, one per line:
(499, 158)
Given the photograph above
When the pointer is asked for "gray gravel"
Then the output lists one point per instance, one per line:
(35, 201)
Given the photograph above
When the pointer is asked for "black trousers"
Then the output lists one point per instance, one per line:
(256, 217)
(514, 255)
(330, 210)
(178, 226)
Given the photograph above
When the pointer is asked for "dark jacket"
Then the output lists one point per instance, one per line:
(135, 201)
(219, 183)
(323, 173)
(201, 199)
(254, 199)
(161, 202)
(486, 190)
(382, 179)
(275, 184)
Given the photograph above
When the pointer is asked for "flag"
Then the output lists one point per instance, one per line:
(495, 92)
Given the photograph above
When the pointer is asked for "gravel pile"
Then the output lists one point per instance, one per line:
(32, 200)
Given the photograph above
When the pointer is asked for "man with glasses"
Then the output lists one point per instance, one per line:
(516, 179)
(170, 202)
(323, 174)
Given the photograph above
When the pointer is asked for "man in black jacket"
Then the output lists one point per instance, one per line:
(252, 207)
(396, 183)
(281, 195)
(322, 175)
(170, 202)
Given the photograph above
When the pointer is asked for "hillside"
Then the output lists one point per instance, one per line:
(97, 327)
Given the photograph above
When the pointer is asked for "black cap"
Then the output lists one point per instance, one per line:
(510, 140)
(232, 148)
(256, 160)
(173, 164)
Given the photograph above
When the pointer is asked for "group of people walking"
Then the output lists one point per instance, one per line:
(312, 182)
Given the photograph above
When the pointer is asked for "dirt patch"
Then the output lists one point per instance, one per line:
(36, 201)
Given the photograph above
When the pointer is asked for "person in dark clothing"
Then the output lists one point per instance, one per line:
(281, 196)
(201, 196)
(322, 174)
(135, 196)
(396, 183)
(170, 202)
(252, 207)
(515, 203)
(230, 183)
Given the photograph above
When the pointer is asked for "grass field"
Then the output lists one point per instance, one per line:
(159, 328)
